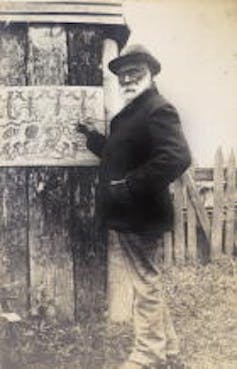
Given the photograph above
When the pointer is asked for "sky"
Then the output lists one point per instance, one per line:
(196, 44)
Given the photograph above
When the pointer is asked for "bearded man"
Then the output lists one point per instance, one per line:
(145, 151)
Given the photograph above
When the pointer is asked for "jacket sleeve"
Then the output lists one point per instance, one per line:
(95, 142)
(169, 153)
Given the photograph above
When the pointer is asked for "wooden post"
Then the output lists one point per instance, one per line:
(179, 235)
(230, 204)
(110, 83)
(191, 229)
(13, 199)
(51, 265)
(168, 249)
(218, 207)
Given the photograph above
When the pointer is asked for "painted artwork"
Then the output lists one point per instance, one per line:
(38, 124)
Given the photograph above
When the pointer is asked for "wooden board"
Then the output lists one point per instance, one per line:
(38, 124)
(63, 7)
(195, 199)
(192, 251)
(218, 216)
(104, 12)
(168, 249)
(47, 55)
(179, 235)
(13, 239)
(51, 269)
(88, 244)
(12, 55)
(85, 55)
(230, 204)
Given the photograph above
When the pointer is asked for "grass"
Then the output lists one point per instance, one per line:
(203, 304)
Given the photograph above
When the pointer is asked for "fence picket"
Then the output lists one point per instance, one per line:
(179, 235)
(230, 204)
(197, 204)
(191, 229)
(218, 205)
(168, 249)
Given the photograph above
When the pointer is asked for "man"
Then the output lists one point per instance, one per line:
(145, 152)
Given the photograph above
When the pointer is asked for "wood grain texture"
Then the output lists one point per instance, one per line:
(12, 55)
(13, 240)
(51, 268)
(47, 55)
(85, 55)
(218, 216)
(230, 205)
(88, 243)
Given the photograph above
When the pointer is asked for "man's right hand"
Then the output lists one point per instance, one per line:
(86, 127)
(82, 128)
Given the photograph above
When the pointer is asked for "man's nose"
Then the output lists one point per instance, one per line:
(127, 78)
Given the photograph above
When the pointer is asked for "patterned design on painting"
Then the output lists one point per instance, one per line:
(38, 124)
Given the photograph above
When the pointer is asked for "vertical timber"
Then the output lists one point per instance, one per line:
(51, 264)
(230, 204)
(88, 239)
(218, 207)
(13, 207)
(179, 235)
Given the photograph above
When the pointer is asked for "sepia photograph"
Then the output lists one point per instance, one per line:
(118, 184)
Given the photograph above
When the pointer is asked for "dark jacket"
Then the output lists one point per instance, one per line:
(146, 146)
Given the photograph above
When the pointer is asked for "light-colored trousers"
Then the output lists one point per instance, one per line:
(155, 336)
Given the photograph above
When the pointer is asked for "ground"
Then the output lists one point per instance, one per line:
(203, 303)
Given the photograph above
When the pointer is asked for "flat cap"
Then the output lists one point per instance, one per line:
(134, 54)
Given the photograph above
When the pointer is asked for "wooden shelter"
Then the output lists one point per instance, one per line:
(53, 72)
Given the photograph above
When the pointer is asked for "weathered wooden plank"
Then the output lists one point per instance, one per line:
(230, 205)
(12, 55)
(29, 136)
(13, 240)
(51, 266)
(168, 249)
(88, 245)
(218, 217)
(179, 234)
(120, 290)
(191, 229)
(61, 18)
(85, 55)
(68, 7)
(197, 204)
(47, 55)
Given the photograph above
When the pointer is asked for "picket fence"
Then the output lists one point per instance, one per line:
(205, 203)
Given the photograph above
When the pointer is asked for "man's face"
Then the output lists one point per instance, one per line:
(134, 79)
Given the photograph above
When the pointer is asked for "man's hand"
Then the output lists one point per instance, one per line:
(86, 127)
